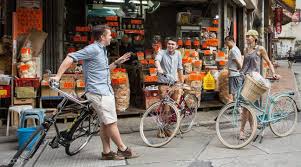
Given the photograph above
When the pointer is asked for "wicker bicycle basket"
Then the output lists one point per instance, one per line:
(252, 90)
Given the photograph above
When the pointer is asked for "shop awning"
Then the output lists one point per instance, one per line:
(295, 17)
(289, 5)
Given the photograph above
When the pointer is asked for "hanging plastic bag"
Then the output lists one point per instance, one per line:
(209, 82)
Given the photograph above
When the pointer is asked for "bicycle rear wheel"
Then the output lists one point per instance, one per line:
(159, 124)
(284, 115)
(189, 112)
(232, 121)
(81, 133)
(28, 150)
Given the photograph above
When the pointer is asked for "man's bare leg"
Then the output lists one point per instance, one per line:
(112, 131)
(105, 140)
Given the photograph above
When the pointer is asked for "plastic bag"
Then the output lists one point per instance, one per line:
(260, 79)
(223, 84)
(120, 83)
(26, 54)
(209, 82)
(27, 69)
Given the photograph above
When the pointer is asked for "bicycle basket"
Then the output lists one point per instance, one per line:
(252, 90)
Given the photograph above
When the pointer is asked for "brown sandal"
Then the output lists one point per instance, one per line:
(111, 156)
(127, 153)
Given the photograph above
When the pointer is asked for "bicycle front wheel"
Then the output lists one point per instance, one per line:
(283, 115)
(159, 124)
(236, 126)
(81, 133)
(29, 148)
(189, 113)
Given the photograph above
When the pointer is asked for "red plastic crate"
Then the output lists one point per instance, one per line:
(27, 82)
(4, 91)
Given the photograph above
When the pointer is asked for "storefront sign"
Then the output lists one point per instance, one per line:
(278, 12)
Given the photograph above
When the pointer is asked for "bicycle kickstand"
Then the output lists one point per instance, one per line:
(181, 135)
(260, 134)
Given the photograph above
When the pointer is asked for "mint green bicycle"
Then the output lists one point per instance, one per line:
(237, 122)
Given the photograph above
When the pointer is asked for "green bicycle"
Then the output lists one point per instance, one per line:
(237, 122)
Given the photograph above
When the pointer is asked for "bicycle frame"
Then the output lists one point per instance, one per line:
(264, 117)
(167, 97)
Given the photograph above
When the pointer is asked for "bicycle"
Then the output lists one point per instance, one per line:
(169, 115)
(276, 114)
(74, 138)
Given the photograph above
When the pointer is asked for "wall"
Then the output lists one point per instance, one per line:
(283, 47)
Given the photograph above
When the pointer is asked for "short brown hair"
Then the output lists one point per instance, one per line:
(229, 38)
(99, 30)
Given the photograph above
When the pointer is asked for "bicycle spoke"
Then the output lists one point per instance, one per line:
(284, 116)
(235, 129)
(158, 123)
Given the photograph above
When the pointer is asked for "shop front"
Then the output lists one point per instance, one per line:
(140, 27)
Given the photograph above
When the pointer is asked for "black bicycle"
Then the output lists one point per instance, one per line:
(74, 139)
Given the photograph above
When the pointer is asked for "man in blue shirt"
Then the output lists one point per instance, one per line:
(99, 90)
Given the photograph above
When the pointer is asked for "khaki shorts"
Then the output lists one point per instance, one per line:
(104, 106)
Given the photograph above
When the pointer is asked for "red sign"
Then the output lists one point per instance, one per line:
(278, 12)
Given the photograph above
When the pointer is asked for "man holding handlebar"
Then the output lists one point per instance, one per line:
(99, 90)
(170, 70)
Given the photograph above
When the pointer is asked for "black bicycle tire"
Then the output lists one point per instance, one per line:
(71, 132)
(19, 152)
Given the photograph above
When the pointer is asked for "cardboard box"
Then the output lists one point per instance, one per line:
(25, 92)
(151, 97)
(80, 92)
(47, 91)
(31, 101)
(67, 84)
(69, 91)
(80, 83)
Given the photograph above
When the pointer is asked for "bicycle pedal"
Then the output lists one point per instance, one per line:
(64, 142)
(54, 143)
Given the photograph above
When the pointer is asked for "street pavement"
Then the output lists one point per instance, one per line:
(198, 148)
